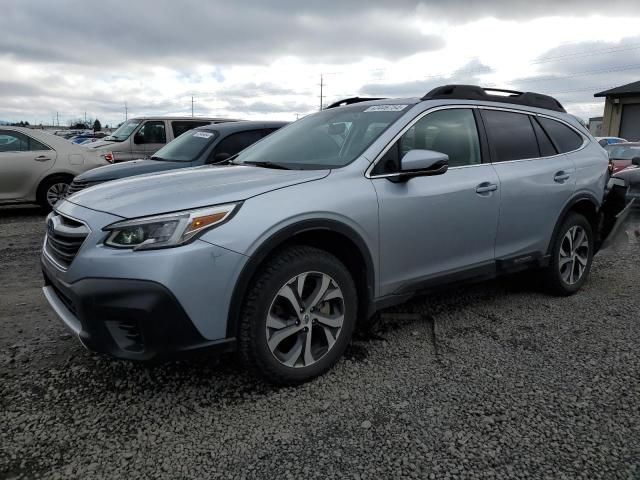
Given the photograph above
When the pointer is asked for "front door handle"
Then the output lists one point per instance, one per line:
(561, 176)
(42, 158)
(486, 187)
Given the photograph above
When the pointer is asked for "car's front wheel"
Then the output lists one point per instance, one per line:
(298, 316)
(571, 256)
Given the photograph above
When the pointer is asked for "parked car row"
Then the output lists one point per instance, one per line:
(278, 250)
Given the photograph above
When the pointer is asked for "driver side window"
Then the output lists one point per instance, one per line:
(451, 131)
(152, 132)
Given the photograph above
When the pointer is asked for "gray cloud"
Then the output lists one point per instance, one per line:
(468, 74)
(214, 32)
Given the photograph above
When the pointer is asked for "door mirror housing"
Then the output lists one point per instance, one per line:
(138, 138)
(421, 163)
(220, 157)
(635, 161)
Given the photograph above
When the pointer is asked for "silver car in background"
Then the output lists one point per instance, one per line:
(36, 167)
(279, 253)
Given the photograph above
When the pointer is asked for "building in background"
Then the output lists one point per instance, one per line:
(595, 126)
(622, 112)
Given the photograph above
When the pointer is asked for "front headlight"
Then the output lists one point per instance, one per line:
(170, 230)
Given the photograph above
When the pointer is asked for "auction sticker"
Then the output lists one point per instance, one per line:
(386, 108)
(203, 135)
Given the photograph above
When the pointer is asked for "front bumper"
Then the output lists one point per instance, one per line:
(130, 319)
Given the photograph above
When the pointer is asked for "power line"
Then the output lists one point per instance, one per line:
(588, 54)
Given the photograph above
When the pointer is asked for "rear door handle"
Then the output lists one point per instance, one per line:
(561, 177)
(42, 158)
(486, 187)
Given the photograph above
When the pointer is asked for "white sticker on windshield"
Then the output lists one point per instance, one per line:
(386, 108)
(203, 135)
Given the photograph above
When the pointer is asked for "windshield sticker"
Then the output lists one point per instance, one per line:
(386, 108)
(203, 135)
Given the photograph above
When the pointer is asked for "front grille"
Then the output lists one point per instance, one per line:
(64, 238)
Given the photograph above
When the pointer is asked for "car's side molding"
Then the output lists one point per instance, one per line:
(280, 238)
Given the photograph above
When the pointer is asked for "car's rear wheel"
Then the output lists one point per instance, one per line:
(52, 190)
(571, 256)
(298, 316)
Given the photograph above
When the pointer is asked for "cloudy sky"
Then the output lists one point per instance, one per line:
(263, 58)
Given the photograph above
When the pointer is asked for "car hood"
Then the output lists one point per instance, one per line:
(187, 188)
(129, 169)
(630, 174)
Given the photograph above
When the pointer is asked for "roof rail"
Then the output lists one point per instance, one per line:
(473, 92)
(349, 101)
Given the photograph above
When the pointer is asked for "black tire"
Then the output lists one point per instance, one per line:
(553, 274)
(45, 185)
(280, 269)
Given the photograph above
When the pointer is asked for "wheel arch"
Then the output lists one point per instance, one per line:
(332, 236)
(583, 203)
(48, 176)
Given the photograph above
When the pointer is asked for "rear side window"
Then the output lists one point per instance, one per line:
(17, 142)
(234, 143)
(181, 126)
(544, 142)
(511, 136)
(564, 138)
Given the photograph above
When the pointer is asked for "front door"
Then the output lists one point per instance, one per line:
(23, 162)
(440, 227)
(150, 138)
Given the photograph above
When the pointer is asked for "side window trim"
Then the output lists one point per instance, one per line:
(585, 140)
(404, 130)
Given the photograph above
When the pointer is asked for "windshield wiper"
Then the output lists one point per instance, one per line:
(267, 165)
(155, 157)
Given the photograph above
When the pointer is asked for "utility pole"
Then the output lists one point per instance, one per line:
(125, 111)
(58, 118)
(321, 89)
(85, 118)
(192, 105)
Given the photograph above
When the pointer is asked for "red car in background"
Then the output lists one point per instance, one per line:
(621, 154)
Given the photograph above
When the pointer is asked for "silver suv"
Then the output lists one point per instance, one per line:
(279, 253)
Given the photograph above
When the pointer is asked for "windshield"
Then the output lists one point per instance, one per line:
(187, 147)
(623, 152)
(331, 138)
(123, 131)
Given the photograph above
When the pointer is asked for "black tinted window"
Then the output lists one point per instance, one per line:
(546, 147)
(234, 143)
(565, 138)
(511, 136)
(151, 132)
(181, 126)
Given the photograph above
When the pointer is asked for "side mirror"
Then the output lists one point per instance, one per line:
(138, 138)
(220, 157)
(635, 161)
(421, 163)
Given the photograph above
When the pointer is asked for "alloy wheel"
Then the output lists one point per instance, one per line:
(57, 192)
(305, 319)
(574, 255)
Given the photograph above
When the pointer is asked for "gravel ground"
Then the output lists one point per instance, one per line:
(490, 381)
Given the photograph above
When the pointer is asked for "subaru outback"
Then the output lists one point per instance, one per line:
(278, 253)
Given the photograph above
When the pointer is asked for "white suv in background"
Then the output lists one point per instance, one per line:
(141, 137)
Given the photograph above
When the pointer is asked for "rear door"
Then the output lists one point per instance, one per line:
(178, 127)
(536, 181)
(439, 227)
(23, 162)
